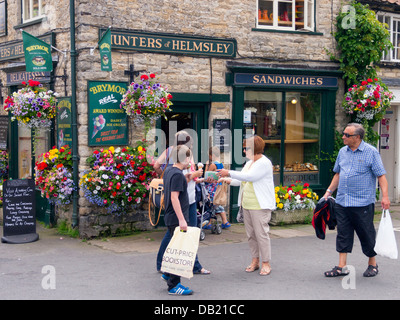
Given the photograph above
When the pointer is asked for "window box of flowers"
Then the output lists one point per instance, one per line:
(33, 105)
(118, 178)
(146, 100)
(294, 204)
(53, 175)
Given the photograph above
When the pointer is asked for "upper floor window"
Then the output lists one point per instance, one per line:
(286, 14)
(32, 10)
(393, 22)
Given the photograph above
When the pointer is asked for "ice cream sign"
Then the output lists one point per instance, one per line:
(107, 121)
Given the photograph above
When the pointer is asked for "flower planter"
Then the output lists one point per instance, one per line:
(281, 217)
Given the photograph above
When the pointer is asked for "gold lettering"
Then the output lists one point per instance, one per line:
(151, 43)
(263, 80)
(198, 47)
(256, 79)
(226, 46)
(125, 41)
(134, 41)
(287, 80)
(319, 81)
(304, 80)
(158, 43)
(271, 79)
(312, 81)
(278, 79)
(183, 45)
(142, 42)
(206, 46)
(298, 80)
(175, 45)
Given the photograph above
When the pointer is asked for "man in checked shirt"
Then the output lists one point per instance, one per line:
(357, 166)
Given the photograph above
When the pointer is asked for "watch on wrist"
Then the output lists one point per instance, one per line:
(329, 190)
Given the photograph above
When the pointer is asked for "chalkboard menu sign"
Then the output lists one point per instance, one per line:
(222, 133)
(3, 132)
(19, 211)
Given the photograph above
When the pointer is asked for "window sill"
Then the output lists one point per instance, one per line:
(30, 23)
(310, 33)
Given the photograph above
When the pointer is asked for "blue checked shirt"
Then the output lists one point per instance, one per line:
(358, 171)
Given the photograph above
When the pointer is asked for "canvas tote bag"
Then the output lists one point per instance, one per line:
(181, 252)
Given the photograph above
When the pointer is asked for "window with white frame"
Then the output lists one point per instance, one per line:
(32, 10)
(286, 14)
(393, 24)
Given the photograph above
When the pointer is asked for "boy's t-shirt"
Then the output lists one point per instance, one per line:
(174, 180)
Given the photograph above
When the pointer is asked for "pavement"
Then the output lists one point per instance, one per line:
(62, 268)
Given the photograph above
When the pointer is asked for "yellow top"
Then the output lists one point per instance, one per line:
(249, 200)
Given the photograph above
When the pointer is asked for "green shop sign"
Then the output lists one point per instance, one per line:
(173, 44)
(64, 123)
(108, 123)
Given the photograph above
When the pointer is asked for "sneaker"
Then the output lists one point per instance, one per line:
(165, 277)
(225, 225)
(180, 290)
(207, 227)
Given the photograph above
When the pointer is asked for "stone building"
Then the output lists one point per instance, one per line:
(250, 66)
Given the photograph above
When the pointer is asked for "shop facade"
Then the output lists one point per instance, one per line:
(228, 66)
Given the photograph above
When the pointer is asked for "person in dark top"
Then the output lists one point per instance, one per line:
(176, 213)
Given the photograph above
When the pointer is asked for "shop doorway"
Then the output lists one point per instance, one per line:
(388, 148)
(191, 117)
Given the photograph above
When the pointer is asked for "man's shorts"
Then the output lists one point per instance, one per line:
(360, 220)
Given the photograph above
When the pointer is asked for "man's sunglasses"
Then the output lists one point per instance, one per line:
(349, 135)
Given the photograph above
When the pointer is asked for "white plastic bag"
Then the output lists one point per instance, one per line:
(386, 245)
(181, 252)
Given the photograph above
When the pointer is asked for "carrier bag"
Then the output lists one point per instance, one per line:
(385, 245)
(221, 194)
(181, 252)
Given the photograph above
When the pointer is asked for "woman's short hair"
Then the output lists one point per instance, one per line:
(256, 143)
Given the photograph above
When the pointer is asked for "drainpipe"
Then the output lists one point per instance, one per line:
(75, 157)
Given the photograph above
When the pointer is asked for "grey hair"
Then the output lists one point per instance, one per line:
(359, 129)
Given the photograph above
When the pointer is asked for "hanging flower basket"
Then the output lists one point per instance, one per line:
(367, 100)
(53, 175)
(118, 177)
(146, 100)
(32, 105)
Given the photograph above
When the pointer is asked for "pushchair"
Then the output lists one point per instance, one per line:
(206, 211)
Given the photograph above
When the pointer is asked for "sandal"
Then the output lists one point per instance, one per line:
(203, 272)
(252, 268)
(371, 271)
(336, 272)
(265, 271)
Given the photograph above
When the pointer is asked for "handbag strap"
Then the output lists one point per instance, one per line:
(159, 213)
(166, 164)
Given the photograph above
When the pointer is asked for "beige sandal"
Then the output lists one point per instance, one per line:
(265, 271)
(252, 268)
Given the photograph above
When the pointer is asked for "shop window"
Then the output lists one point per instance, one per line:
(32, 10)
(393, 24)
(290, 125)
(285, 14)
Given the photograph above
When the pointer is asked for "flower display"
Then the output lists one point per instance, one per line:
(295, 197)
(53, 175)
(367, 100)
(146, 99)
(32, 105)
(3, 164)
(118, 178)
